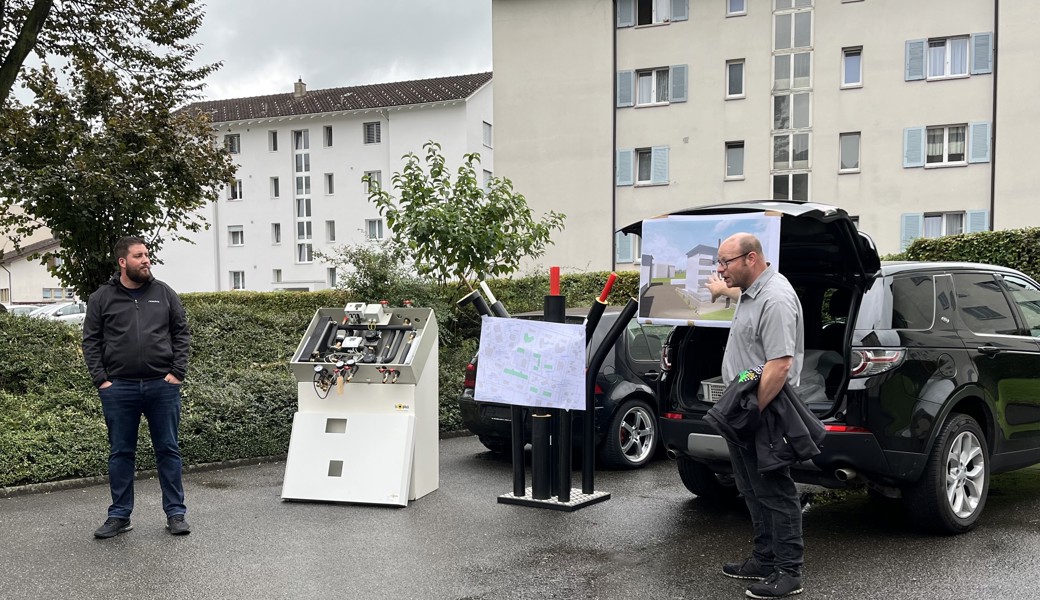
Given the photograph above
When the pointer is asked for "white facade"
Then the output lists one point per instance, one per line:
(257, 240)
(834, 102)
(25, 281)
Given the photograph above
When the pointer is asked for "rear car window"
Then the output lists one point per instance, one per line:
(1027, 297)
(982, 304)
(898, 302)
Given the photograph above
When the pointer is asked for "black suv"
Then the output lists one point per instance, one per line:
(926, 375)
(626, 400)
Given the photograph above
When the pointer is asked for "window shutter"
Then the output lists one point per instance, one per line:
(981, 53)
(624, 167)
(659, 164)
(622, 248)
(913, 147)
(677, 79)
(625, 88)
(911, 226)
(915, 59)
(680, 10)
(978, 220)
(626, 13)
(978, 142)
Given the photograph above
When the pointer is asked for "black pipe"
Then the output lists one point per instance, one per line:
(352, 329)
(592, 320)
(993, 126)
(391, 347)
(407, 347)
(477, 301)
(516, 419)
(588, 465)
(555, 311)
(496, 307)
(540, 478)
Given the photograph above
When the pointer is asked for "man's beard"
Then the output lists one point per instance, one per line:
(139, 275)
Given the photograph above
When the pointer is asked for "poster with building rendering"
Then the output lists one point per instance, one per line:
(679, 254)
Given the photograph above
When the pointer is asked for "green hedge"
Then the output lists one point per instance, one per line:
(240, 395)
(1015, 248)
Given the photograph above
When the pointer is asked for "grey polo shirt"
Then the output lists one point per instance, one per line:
(768, 324)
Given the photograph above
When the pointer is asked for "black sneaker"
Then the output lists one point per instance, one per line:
(779, 584)
(749, 569)
(176, 525)
(112, 527)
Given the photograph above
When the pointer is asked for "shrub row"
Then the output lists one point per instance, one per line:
(1015, 248)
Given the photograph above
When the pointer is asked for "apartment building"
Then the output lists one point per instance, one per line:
(299, 188)
(916, 117)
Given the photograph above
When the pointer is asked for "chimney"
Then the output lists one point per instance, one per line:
(299, 89)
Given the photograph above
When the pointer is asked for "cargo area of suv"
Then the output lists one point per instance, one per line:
(925, 374)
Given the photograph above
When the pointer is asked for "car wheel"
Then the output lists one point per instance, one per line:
(631, 439)
(496, 445)
(952, 491)
(706, 484)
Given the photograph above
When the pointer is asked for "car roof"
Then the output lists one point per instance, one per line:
(903, 266)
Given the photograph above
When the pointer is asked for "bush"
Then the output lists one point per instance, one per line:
(1015, 248)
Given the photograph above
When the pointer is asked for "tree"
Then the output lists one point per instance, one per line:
(136, 37)
(109, 157)
(459, 230)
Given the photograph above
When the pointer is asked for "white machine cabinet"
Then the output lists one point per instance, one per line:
(366, 426)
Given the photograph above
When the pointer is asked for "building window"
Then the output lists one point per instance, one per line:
(789, 4)
(304, 230)
(372, 133)
(735, 79)
(487, 134)
(276, 191)
(303, 162)
(373, 181)
(327, 131)
(301, 139)
(791, 111)
(330, 184)
(330, 277)
(623, 248)
(940, 224)
(848, 145)
(736, 8)
(330, 231)
(276, 234)
(791, 151)
(652, 87)
(948, 57)
(792, 71)
(238, 280)
(644, 165)
(793, 30)
(946, 145)
(5, 295)
(276, 275)
(734, 160)
(651, 165)
(487, 179)
(233, 143)
(852, 67)
(791, 186)
(236, 237)
(304, 253)
(374, 229)
(649, 12)
(235, 190)
(303, 208)
(303, 185)
(272, 141)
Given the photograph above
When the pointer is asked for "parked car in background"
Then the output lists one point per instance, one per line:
(626, 400)
(67, 312)
(20, 310)
(926, 375)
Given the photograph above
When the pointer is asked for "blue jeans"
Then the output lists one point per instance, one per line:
(776, 513)
(123, 404)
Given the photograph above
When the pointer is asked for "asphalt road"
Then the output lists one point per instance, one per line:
(652, 539)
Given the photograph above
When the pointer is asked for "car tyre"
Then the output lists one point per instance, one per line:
(496, 445)
(706, 484)
(952, 491)
(631, 439)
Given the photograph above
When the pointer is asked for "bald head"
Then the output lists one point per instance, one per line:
(741, 260)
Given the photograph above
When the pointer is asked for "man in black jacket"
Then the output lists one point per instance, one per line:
(767, 331)
(135, 343)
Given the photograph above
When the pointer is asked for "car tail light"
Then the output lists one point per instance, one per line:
(871, 361)
(846, 429)
(598, 390)
(470, 381)
(666, 359)
(671, 415)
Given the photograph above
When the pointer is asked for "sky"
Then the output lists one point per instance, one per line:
(266, 45)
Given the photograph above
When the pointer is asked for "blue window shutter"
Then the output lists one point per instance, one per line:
(677, 80)
(981, 53)
(625, 88)
(624, 167)
(626, 13)
(680, 10)
(978, 220)
(978, 142)
(622, 248)
(913, 147)
(915, 55)
(659, 164)
(911, 227)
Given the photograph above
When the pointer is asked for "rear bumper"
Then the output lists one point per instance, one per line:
(693, 438)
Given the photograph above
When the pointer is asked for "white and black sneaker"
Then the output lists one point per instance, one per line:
(112, 527)
(779, 584)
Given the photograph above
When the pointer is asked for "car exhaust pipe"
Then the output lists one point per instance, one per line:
(672, 454)
(846, 475)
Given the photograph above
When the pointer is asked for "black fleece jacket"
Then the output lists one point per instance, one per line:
(146, 337)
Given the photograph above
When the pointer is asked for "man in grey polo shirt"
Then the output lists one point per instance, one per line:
(767, 331)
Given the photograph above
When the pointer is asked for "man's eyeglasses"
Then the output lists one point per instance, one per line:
(725, 261)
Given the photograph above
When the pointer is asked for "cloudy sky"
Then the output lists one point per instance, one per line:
(266, 45)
